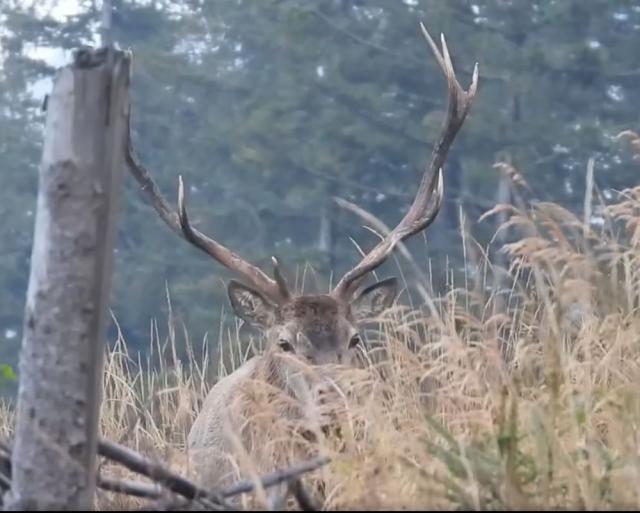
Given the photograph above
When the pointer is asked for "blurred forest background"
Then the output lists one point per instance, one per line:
(270, 108)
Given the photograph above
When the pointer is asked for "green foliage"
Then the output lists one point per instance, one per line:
(268, 109)
(7, 374)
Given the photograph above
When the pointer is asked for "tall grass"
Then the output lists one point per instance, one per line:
(518, 390)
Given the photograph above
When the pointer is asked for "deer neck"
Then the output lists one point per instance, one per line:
(285, 375)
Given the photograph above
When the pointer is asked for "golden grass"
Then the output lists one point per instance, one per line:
(522, 397)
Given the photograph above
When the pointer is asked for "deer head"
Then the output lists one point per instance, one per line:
(323, 328)
(320, 329)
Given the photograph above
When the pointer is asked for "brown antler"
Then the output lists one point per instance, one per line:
(179, 222)
(425, 206)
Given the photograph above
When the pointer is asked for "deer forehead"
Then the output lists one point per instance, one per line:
(314, 313)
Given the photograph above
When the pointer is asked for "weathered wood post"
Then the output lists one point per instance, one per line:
(67, 300)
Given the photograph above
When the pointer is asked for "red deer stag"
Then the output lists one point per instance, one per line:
(312, 329)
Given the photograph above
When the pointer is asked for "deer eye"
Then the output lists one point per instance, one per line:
(355, 340)
(286, 346)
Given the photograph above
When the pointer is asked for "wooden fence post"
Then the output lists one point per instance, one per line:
(54, 454)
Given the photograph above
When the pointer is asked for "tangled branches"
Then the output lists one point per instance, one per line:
(170, 491)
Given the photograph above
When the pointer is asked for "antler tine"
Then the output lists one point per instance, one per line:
(425, 206)
(179, 222)
(225, 256)
(459, 100)
(282, 283)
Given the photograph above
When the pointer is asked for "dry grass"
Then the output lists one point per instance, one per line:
(519, 397)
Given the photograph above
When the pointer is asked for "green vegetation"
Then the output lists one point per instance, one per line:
(270, 108)
(7, 374)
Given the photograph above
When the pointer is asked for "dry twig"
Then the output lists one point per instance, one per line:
(159, 473)
(188, 494)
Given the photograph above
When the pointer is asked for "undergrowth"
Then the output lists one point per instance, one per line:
(517, 391)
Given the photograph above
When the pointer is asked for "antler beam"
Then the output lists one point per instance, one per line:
(421, 214)
(275, 290)
(426, 204)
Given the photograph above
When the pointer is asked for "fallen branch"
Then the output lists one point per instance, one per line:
(152, 491)
(304, 500)
(176, 504)
(158, 472)
(275, 478)
(162, 500)
(187, 491)
(130, 487)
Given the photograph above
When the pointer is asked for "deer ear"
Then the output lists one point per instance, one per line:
(250, 305)
(375, 299)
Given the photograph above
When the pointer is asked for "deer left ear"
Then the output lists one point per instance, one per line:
(375, 299)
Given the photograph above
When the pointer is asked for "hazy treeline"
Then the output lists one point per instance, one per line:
(268, 109)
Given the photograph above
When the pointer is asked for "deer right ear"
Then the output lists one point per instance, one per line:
(250, 305)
